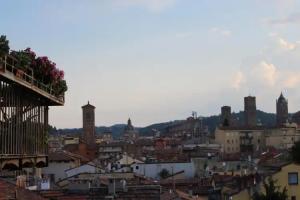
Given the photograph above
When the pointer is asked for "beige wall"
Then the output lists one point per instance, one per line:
(282, 138)
(71, 140)
(282, 178)
(230, 139)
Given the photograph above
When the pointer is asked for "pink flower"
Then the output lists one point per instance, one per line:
(61, 74)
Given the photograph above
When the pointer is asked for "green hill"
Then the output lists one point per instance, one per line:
(266, 119)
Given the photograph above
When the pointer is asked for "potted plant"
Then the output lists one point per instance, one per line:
(4, 50)
(42, 70)
(23, 62)
(60, 88)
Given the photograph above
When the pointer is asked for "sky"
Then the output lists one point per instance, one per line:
(159, 60)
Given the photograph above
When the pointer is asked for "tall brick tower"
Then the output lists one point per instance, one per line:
(282, 112)
(250, 111)
(88, 116)
(226, 116)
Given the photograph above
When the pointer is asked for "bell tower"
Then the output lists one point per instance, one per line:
(88, 116)
(282, 112)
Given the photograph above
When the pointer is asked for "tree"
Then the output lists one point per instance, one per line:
(295, 152)
(271, 192)
(164, 173)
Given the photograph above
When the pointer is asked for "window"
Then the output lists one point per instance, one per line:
(293, 198)
(136, 167)
(52, 177)
(293, 178)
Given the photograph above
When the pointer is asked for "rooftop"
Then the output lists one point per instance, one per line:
(11, 191)
(60, 157)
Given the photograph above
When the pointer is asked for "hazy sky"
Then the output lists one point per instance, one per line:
(159, 60)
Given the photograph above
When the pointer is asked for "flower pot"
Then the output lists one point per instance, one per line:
(20, 73)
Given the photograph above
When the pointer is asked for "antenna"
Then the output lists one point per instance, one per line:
(194, 114)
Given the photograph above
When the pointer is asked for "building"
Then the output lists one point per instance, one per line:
(192, 127)
(250, 111)
(88, 118)
(288, 176)
(153, 170)
(118, 186)
(70, 140)
(58, 163)
(87, 143)
(24, 108)
(86, 168)
(282, 113)
(12, 191)
(54, 144)
(240, 140)
(226, 116)
(130, 133)
(282, 137)
(110, 150)
(106, 136)
(296, 118)
(229, 140)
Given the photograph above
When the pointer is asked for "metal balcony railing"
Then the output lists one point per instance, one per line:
(8, 65)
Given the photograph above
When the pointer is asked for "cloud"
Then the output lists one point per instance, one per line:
(283, 43)
(267, 72)
(224, 32)
(265, 75)
(238, 80)
(292, 19)
(292, 80)
(287, 45)
(151, 5)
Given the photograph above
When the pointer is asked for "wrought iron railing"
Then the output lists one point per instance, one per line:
(9, 63)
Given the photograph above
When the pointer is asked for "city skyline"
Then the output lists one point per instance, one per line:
(159, 60)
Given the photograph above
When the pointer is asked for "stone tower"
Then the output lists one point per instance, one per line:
(250, 111)
(226, 116)
(282, 112)
(88, 119)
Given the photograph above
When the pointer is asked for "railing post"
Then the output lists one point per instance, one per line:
(32, 77)
(5, 58)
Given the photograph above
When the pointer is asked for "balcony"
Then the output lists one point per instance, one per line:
(9, 71)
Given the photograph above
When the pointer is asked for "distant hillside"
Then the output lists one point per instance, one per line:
(266, 119)
(116, 129)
